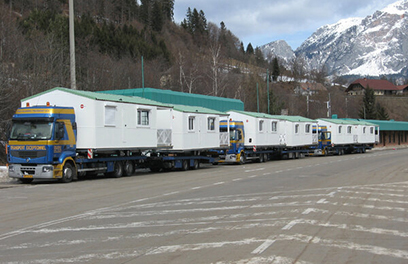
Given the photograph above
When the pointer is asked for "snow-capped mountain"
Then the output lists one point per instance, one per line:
(371, 46)
(279, 49)
(375, 45)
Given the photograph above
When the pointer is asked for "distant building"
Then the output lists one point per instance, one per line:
(309, 88)
(402, 89)
(380, 87)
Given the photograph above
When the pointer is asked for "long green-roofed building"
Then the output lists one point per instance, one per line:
(392, 133)
(172, 97)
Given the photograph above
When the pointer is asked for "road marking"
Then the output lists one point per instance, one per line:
(171, 193)
(196, 188)
(260, 169)
(218, 183)
(322, 201)
(264, 246)
(290, 225)
(309, 210)
(332, 194)
(265, 260)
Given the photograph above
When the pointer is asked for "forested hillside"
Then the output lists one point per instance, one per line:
(112, 37)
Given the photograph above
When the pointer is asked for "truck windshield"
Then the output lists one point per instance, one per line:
(31, 130)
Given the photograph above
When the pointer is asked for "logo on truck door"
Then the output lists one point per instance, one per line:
(57, 149)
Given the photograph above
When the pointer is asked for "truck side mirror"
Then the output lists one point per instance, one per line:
(60, 131)
(9, 124)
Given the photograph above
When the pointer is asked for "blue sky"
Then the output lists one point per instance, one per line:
(262, 21)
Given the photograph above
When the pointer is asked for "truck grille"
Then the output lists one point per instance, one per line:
(29, 154)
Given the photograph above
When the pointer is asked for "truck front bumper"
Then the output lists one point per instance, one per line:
(230, 158)
(39, 171)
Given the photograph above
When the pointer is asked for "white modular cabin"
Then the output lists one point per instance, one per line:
(105, 121)
(348, 132)
(297, 131)
(191, 128)
(365, 131)
(343, 132)
(260, 130)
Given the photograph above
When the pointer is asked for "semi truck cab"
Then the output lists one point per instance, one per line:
(42, 143)
(236, 152)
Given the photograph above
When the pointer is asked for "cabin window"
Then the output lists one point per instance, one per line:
(364, 130)
(307, 128)
(110, 115)
(211, 123)
(261, 123)
(143, 117)
(191, 121)
(297, 129)
(340, 129)
(274, 126)
(349, 129)
(371, 130)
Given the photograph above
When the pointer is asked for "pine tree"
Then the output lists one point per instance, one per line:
(275, 69)
(157, 17)
(368, 109)
(250, 49)
(275, 107)
(381, 112)
(168, 9)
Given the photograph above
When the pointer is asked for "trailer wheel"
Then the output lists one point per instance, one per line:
(196, 164)
(129, 168)
(261, 158)
(68, 173)
(184, 165)
(117, 170)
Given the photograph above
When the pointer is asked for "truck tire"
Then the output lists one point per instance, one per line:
(68, 173)
(261, 158)
(128, 168)
(117, 170)
(184, 165)
(242, 158)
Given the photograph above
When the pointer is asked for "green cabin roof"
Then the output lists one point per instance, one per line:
(348, 121)
(279, 117)
(178, 98)
(197, 109)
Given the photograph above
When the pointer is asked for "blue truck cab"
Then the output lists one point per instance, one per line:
(42, 144)
(236, 152)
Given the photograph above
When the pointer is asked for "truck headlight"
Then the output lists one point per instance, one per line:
(47, 168)
(11, 168)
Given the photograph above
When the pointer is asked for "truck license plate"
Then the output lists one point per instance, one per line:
(27, 176)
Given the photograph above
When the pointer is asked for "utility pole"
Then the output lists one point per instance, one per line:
(72, 44)
(267, 87)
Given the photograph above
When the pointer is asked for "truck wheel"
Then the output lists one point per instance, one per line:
(117, 170)
(261, 158)
(68, 173)
(184, 165)
(129, 168)
(242, 158)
